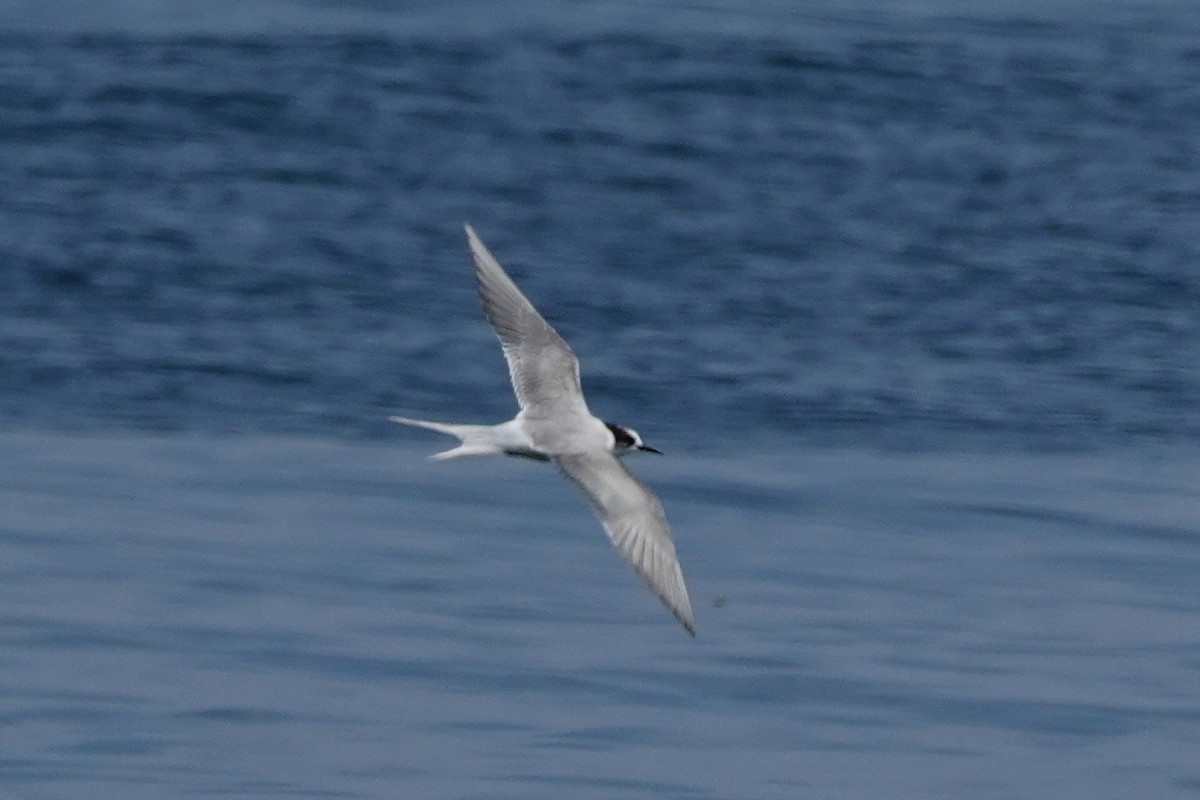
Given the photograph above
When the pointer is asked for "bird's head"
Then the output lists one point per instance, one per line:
(626, 440)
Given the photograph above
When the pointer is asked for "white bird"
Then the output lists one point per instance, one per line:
(554, 424)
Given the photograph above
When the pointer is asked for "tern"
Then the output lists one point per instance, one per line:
(554, 424)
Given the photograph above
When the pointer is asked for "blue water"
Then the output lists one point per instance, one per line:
(910, 299)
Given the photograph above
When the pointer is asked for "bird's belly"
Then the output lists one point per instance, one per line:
(583, 434)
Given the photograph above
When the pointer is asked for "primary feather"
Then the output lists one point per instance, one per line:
(544, 370)
(634, 520)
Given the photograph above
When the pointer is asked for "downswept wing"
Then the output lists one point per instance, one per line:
(634, 520)
(544, 370)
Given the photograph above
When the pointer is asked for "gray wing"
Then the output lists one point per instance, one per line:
(633, 518)
(544, 371)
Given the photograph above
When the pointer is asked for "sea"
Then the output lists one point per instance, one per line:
(908, 293)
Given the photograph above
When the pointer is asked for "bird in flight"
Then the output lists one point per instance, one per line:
(554, 424)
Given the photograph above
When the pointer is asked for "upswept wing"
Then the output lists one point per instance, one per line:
(634, 520)
(544, 370)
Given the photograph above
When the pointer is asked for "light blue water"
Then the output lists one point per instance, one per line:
(268, 616)
(909, 299)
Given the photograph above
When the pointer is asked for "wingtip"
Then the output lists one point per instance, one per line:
(684, 615)
(478, 248)
(681, 611)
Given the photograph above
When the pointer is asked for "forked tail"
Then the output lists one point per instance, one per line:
(477, 440)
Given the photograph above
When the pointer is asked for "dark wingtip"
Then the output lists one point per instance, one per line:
(687, 621)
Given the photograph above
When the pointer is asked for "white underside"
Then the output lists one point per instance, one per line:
(520, 437)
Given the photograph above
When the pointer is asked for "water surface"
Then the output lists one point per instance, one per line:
(908, 298)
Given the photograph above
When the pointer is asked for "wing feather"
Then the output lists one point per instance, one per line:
(634, 520)
(543, 369)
